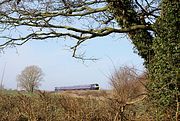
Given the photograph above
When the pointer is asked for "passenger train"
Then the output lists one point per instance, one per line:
(78, 87)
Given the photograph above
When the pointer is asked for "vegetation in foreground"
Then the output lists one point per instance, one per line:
(126, 102)
(57, 107)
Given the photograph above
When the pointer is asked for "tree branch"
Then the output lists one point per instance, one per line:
(53, 19)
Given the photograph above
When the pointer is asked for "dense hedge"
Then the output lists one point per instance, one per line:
(164, 68)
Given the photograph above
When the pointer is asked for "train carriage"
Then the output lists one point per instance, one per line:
(78, 87)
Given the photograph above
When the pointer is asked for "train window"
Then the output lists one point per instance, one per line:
(95, 86)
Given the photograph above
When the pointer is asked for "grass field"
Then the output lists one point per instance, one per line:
(63, 106)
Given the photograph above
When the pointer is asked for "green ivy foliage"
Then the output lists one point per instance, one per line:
(126, 16)
(160, 51)
(164, 68)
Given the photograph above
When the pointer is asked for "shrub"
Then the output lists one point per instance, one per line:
(52, 107)
(128, 89)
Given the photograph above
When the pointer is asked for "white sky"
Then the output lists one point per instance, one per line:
(61, 69)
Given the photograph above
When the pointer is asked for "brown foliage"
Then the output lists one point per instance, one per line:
(128, 89)
(127, 84)
(124, 103)
(52, 107)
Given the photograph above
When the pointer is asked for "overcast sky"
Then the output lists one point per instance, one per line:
(60, 69)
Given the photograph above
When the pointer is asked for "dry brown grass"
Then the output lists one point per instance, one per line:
(61, 107)
(123, 103)
(87, 93)
(128, 93)
(52, 107)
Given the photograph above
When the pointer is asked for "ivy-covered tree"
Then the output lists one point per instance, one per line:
(164, 67)
(151, 25)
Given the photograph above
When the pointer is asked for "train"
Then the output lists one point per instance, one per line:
(78, 87)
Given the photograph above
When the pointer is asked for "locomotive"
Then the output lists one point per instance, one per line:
(78, 87)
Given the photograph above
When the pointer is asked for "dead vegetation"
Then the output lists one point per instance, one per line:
(128, 93)
(126, 102)
(52, 107)
(96, 94)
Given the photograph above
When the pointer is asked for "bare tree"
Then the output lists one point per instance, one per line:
(30, 78)
(128, 89)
